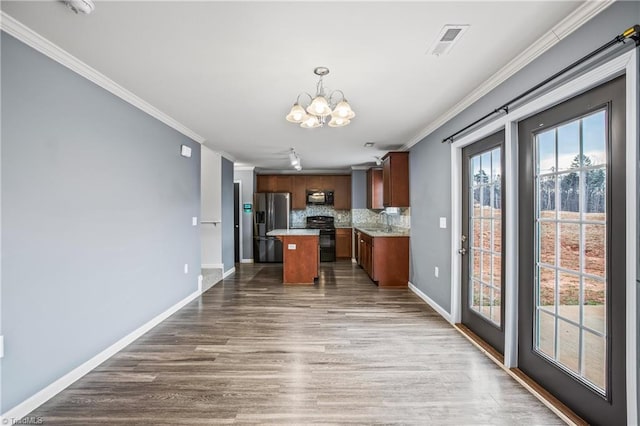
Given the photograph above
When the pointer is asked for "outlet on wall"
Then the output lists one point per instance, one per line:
(436, 272)
(194, 221)
(186, 268)
(443, 222)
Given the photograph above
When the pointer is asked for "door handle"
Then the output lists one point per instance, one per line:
(463, 250)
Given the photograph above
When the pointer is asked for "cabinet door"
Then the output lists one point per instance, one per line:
(395, 179)
(343, 243)
(342, 192)
(386, 182)
(374, 189)
(327, 182)
(369, 250)
(265, 183)
(282, 183)
(299, 192)
(313, 182)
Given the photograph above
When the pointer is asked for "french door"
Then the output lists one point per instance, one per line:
(571, 332)
(481, 241)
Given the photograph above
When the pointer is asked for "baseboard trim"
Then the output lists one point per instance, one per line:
(246, 260)
(33, 402)
(229, 272)
(439, 309)
(212, 266)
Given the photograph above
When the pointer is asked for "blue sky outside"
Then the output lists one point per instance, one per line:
(593, 140)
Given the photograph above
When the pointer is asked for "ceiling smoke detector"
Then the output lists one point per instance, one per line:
(80, 6)
(448, 36)
(368, 144)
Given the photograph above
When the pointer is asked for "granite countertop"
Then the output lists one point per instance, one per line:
(293, 233)
(375, 230)
(342, 225)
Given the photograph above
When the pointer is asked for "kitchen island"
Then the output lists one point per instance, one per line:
(300, 254)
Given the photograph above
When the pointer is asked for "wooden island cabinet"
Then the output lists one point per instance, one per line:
(300, 254)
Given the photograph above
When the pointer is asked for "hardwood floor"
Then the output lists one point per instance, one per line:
(251, 350)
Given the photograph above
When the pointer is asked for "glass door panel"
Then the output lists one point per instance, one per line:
(571, 252)
(571, 284)
(482, 229)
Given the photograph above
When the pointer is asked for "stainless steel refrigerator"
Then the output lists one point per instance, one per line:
(271, 211)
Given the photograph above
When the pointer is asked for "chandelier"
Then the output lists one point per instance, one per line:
(321, 106)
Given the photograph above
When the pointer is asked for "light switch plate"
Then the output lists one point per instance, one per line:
(443, 222)
(291, 247)
(436, 272)
(194, 221)
(186, 268)
(185, 151)
(1, 346)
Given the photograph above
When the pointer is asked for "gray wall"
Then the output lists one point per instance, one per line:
(96, 220)
(247, 178)
(359, 189)
(430, 168)
(228, 241)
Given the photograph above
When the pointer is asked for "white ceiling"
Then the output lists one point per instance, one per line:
(230, 71)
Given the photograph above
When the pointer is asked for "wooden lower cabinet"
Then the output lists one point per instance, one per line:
(343, 243)
(384, 259)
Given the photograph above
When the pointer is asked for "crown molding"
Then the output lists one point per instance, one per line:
(243, 168)
(569, 24)
(262, 171)
(26, 35)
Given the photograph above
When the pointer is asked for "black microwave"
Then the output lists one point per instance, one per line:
(320, 198)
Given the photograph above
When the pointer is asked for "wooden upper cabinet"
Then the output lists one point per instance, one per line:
(283, 183)
(342, 192)
(374, 188)
(274, 183)
(395, 179)
(298, 185)
(299, 192)
(264, 183)
(321, 182)
(314, 182)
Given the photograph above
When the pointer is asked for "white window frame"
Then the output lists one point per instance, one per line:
(627, 64)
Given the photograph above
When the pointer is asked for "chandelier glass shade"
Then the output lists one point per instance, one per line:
(321, 106)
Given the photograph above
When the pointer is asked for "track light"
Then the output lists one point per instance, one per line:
(295, 160)
(293, 157)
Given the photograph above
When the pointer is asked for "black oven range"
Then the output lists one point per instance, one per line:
(327, 236)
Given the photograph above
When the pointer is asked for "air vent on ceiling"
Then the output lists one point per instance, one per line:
(448, 36)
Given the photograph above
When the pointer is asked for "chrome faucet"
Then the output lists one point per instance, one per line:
(388, 228)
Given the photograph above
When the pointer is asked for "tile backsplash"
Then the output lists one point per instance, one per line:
(402, 220)
(298, 218)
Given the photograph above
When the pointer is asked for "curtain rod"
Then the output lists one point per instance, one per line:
(630, 33)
